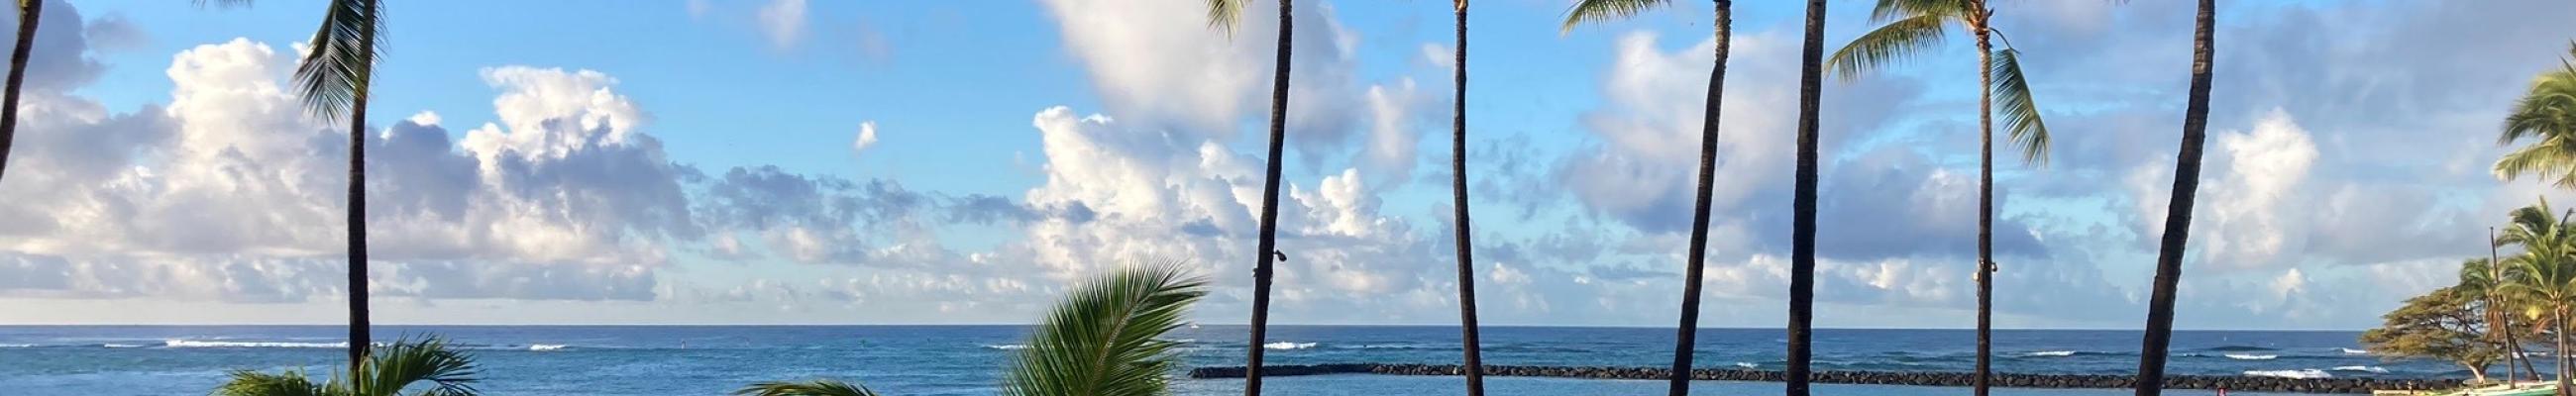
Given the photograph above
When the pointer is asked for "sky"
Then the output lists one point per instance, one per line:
(905, 162)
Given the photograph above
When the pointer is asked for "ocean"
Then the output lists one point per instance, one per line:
(967, 360)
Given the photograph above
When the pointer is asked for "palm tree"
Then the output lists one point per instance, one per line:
(386, 373)
(2195, 127)
(1686, 335)
(2485, 278)
(1802, 238)
(2547, 114)
(1915, 26)
(1223, 14)
(28, 11)
(1104, 339)
(333, 80)
(2545, 272)
(1458, 187)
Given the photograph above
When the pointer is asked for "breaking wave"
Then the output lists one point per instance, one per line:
(250, 344)
(546, 347)
(2294, 374)
(2248, 356)
(2050, 353)
(1006, 347)
(1284, 345)
(2365, 369)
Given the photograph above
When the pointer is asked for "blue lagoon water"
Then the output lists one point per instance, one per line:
(967, 360)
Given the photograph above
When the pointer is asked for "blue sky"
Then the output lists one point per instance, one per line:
(703, 162)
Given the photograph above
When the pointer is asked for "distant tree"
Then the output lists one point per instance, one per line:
(2448, 324)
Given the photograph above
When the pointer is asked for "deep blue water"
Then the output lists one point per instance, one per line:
(967, 360)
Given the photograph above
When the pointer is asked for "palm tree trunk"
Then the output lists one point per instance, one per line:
(358, 285)
(1686, 336)
(1802, 242)
(1985, 204)
(1270, 203)
(1458, 171)
(2195, 125)
(2560, 316)
(28, 13)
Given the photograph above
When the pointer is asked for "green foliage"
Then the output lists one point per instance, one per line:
(1895, 42)
(2547, 113)
(2020, 114)
(335, 73)
(1587, 11)
(808, 388)
(1103, 339)
(1223, 14)
(386, 372)
(2448, 324)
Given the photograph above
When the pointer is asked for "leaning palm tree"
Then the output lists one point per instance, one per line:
(2485, 278)
(2546, 114)
(28, 13)
(2195, 128)
(392, 368)
(1224, 14)
(1458, 187)
(1104, 339)
(1686, 335)
(1802, 238)
(2545, 272)
(333, 81)
(1916, 26)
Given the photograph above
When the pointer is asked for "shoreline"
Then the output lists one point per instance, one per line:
(1947, 379)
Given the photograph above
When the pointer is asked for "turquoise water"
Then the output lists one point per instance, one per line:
(966, 360)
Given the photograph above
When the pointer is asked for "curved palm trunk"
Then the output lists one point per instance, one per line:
(1458, 171)
(1985, 203)
(28, 11)
(2195, 125)
(1686, 336)
(1269, 204)
(1802, 245)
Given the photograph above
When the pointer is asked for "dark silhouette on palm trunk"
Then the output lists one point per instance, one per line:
(1270, 203)
(28, 12)
(1802, 245)
(1458, 186)
(2195, 125)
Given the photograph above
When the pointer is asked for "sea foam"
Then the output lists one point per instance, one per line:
(2365, 369)
(546, 347)
(1283, 345)
(2247, 356)
(250, 344)
(2050, 353)
(2296, 374)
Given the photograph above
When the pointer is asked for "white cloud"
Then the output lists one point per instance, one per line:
(782, 21)
(867, 138)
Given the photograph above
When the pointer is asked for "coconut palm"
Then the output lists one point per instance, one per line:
(2545, 273)
(2485, 278)
(1802, 238)
(333, 81)
(2547, 114)
(28, 11)
(1916, 26)
(1458, 187)
(2195, 128)
(1685, 335)
(1224, 14)
(391, 369)
(1104, 339)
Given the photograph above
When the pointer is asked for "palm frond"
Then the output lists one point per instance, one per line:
(1223, 14)
(342, 60)
(2020, 113)
(292, 383)
(808, 388)
(1587, 11)
(2548, 159)
(1889, 10)
(404, 363)
(1893, 42)
(1106, 337)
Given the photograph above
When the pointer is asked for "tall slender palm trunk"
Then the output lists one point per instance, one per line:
(1458, 187)
(28, 12)
(1802, 242)
(1686, 336)
(358, 327)
(2195, 125)
(1985, 199)
(2560, 316)
(1270, 204)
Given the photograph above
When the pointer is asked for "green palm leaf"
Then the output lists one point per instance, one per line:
(1105, 338)
(2020, 114)
(292, 383)
(1223, 14)
(1894, 42)
(2547, 114)
(1587, 11)
(335, 73)
(808, 388)
(1889, 10)
(386, 372)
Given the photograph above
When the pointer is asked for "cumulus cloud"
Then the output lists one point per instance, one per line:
(867, 138)
(782, 21)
